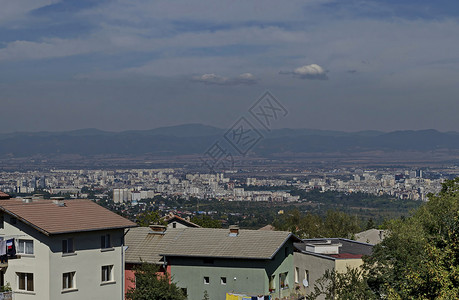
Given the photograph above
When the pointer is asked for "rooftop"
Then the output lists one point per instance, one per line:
(346, 248)
(218, 243)
(145, 245)
(4, 195)
(64, 216)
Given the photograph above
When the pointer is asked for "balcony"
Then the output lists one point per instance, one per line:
(6, 295)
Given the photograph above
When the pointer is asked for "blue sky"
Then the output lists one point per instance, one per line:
(140, 64)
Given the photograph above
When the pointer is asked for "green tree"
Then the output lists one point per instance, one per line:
(151, 286)
(206, 222)
(420, 257)
(342, 286)
(206, 296)
(150, 217)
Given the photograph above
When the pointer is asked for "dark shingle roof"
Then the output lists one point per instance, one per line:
(73, 216)
(349, 248)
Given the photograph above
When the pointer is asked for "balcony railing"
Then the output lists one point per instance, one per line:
(6, 295)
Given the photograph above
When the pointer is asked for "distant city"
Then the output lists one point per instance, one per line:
(134, 185)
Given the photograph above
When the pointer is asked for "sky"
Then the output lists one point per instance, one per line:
(119, 65)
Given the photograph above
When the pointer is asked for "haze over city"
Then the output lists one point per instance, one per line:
(123, 65)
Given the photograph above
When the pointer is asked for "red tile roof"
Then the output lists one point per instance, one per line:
(4, 196)
(73, 216)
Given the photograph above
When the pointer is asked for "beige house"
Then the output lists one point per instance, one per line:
(314, 256)
(70, 249)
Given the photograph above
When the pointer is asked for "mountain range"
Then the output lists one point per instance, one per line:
(196, 138)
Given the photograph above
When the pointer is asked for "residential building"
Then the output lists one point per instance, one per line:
(66, 249)
(220, 261)
(174, 221)
(313, 257)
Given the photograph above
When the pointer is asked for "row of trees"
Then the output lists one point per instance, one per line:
(418, 260)
(334, 224)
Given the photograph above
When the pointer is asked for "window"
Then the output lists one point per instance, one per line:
(107, 274)
(297, 274)
(223, 280)
(68, 280)
(25, 247)
(206, 280)
(283, 280)
(25, 281)
(174, 225)
(306, 277)
(272, 283)
(67, 246)
(105, 241)
(286, 251)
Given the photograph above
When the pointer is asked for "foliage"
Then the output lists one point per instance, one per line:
(6, 288)
(342, 286)
(151, 286)
(150, 217)
(334, 224)
(206, 222)
(206, 296)
(420, 257)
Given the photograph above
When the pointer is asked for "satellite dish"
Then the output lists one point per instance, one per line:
(305, 283)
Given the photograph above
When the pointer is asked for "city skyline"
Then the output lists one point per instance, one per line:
(135, 65)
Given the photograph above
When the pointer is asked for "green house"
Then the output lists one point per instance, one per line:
(220, 261)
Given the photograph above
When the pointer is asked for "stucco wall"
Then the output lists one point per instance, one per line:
(316, 267)
(48, 264)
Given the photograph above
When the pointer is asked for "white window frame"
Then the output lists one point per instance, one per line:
(206, 280)
(23, 243)
(223, 280)
(68, 281)
(297, 275)
(26, 280)
(107, 273)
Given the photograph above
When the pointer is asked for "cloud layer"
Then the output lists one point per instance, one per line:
(312, 71)
(242, 79)
(183, 61)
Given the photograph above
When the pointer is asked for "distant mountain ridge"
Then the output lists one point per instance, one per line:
(196, 138)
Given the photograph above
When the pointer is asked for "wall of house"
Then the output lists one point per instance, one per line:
(87, 262)
(341, 265)
(315, 265)
(37, 264)
(242, 276)
(281, 263)
(48, 264)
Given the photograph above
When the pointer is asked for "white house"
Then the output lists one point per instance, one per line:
(70, 249)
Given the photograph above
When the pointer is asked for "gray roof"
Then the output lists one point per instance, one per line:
(348, 249)
(145, 246)
(217, 243)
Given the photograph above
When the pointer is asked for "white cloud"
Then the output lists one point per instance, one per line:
(242, 79)
(312, 71)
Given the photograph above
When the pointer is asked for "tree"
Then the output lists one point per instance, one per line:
(149, 285)
(342, 286)
(420, 257)
(150, 217)
(206, 222)
(206, 296)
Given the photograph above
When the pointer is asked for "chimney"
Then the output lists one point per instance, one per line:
(234, 230)
(59, 201)
(157, 229)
